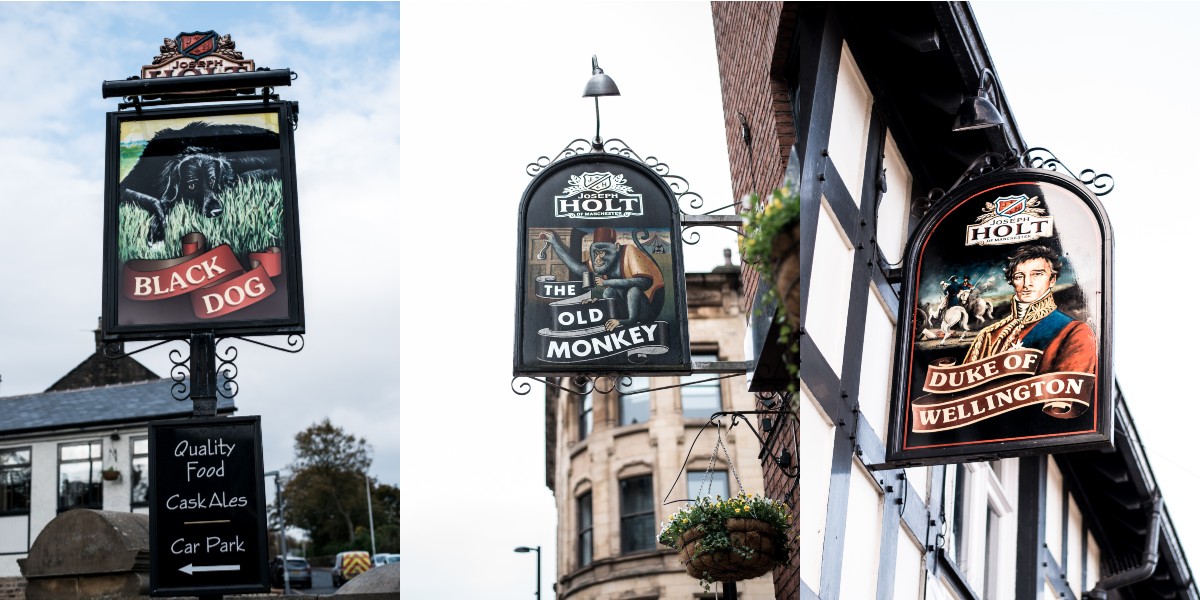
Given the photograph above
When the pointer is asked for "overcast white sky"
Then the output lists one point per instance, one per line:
(52, 162)
(490, 87)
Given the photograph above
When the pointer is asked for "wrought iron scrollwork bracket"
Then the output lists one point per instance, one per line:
(605, 383)
(1100, 184)
(679, 185)
(226, 362)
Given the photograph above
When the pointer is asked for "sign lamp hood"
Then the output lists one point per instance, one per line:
(978, 112)
(599, 85)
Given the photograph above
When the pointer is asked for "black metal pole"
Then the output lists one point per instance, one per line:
(203, 368)
(539, 573)
(729, 590)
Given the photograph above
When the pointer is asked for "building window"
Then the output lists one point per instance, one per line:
(79, 483)
(583, 505)
(15, 471)
(585, 415)
(139, 494)
(712, 484)
(991, 560)
(637, 514)
(701, 400)
(635, 400)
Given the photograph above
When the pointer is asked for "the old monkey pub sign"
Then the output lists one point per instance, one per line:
(600, 271)
(1005, 339)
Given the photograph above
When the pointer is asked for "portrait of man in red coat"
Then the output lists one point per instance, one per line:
(1035, 322)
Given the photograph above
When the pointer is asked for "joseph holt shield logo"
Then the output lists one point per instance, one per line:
(1010, 206)
(197, 44)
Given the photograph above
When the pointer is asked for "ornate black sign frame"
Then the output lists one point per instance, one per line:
(1037, 378)
(579, 311)
(194, 258)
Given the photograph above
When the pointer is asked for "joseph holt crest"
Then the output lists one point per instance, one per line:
(597, 196)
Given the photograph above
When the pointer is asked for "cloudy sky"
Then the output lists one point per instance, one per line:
(483, 99)
(51, 169)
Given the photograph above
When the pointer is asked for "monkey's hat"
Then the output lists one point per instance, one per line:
(604, 234)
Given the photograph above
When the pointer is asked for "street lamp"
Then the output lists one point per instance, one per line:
(537, 549)
(287, 584)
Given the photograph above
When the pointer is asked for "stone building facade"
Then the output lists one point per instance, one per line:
(621, 463)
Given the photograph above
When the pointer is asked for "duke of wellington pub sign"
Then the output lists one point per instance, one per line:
(1005, 345)
(600, 271)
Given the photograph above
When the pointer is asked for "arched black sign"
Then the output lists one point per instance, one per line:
(600, 279)
(1005, 338)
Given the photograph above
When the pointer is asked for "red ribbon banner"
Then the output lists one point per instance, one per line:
(214, 280)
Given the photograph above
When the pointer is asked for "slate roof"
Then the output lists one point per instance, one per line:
(106, 405)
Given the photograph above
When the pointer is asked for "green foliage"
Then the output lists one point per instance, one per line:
(326, 494)
(761, 228)
(252, 221)
(709, 516)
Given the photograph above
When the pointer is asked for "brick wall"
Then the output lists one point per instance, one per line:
(12, 588)
(752, 84)
(752, 47)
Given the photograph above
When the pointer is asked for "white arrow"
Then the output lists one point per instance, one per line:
(189, 569)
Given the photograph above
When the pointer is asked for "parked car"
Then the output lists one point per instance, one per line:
(348, 564)
(384, 558)
(299, 573)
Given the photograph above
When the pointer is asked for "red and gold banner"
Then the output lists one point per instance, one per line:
(1063, 395)
(214, 280)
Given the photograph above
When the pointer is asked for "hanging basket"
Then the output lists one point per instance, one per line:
(752, 552)
(110, 474)
(785, 269)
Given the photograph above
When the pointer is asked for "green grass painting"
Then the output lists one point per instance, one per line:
(252, 221)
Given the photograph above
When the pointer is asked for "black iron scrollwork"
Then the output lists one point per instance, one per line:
(295, 343)
(180, 374)
(1034, 158)
(680, 187)
(573, 148)
(115, 350)
(226, 365)
(1041, 158)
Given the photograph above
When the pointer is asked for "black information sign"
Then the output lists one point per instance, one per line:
(208, 528)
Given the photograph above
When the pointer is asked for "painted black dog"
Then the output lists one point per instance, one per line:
(195, 164)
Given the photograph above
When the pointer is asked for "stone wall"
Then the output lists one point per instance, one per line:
(12, 588)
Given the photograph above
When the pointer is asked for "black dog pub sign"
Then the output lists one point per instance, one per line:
(200, 222)
(600, 271)
(1006, 324)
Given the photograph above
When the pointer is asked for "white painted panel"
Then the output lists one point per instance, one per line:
(892, 230)
(1093, 563)
(14, 534)
(864, 527)
(1054, 516)
(918, 479)
(876, 370)
(851, 124)
(816, 460)
(910, 565)
(1075, 556)
(829, 290)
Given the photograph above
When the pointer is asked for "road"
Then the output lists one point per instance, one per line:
(322, 584)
